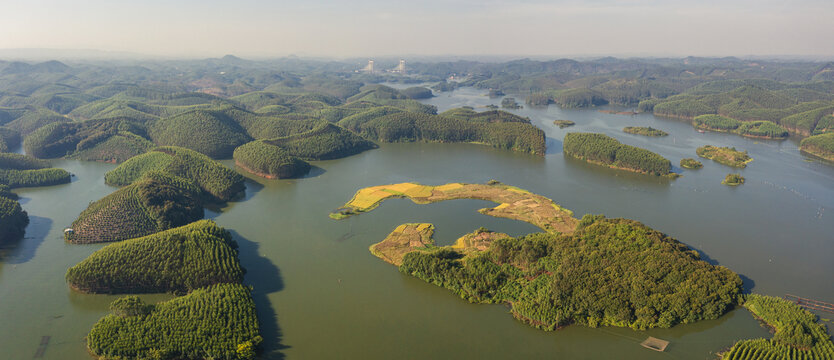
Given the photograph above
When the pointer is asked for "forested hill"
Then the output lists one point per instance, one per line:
(114, 111)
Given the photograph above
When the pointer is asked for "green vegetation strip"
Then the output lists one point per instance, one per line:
(798, 334)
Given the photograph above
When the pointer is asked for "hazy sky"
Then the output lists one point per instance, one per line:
(399, 28)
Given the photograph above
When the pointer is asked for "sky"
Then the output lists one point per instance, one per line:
(341, 29)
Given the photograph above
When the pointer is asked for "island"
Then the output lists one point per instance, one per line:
(177, 260)
(603, 150)
(645, 131)
(596, 264)
(753, 129)
(821, 146)
(690, 163)
(563, 123)
(510, 103)
(733, 180)
(214, 318)
(725, 155)
(797, 333)
(215, 322)
(489, 267)
(514, 203)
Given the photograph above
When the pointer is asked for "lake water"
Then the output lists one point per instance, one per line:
(322, 295)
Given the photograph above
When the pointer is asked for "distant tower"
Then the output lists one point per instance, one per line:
(370, 67)
(401, 67)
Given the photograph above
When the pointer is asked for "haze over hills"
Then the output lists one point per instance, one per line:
(631, 153)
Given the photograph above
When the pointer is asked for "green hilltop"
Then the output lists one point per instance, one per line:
(216, 322)
(176, 260)
(18, 170)
(158, 201)
(215, 179)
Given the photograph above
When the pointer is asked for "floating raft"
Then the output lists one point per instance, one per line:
(655, 344)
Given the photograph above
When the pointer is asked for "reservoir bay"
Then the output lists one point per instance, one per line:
(321, 294)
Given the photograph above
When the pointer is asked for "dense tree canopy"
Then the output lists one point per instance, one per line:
(215, 179)
(600, 148)
(610, 272)
(216, 322)
(180, 259)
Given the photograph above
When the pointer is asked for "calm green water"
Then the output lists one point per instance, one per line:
(322, 295)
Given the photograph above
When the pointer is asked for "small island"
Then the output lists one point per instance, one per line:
(733, 180)
(604, 150)
(821, 146)
(645, 131)
(617, 112)
(725, 155)
(563, 123)
(753, 129)
(510, 103)
(796, 332)
(514, 203)
(690, 163)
